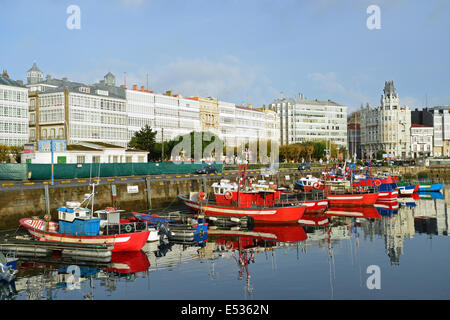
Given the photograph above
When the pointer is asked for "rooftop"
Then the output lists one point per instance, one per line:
(5, 80)
(308, 102)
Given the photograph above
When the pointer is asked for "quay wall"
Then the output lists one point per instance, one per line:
(17, 204)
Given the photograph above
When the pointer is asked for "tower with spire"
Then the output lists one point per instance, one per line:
(34, 75)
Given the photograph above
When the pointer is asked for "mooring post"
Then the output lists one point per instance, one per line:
(149, 196)
(47, 199)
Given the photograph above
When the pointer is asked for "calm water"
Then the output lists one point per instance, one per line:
(409, 245)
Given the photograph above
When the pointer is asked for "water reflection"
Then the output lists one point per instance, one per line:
(391, 222)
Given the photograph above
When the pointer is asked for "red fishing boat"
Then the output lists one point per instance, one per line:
(314, 201)
(341, 194)
(264, 204)
(361, 212)
(353, 199)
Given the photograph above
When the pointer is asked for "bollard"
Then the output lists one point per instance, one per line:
(47, 200)
(149, 197)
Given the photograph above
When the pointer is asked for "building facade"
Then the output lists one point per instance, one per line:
(421, 141)
(386, 128)
(13, 112)
(88, 153)
(169, 115)
(76, 112)
(439, 118)
(302, 120)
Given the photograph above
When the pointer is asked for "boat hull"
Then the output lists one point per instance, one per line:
(388, 195)
(353, 200)
(288, 214)
(122, 242)
(316, 206)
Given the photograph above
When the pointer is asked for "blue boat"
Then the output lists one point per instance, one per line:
(431, 195)
(7, 268)
(429, 187)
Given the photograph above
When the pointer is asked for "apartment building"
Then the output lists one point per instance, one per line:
(13, 111)
(76, 112)
(421, 140)
(301, 119)
(170, 115)
(439, 118)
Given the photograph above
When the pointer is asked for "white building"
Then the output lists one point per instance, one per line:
(88, 153)
(13, 112)
(441, 124)
(421, 141)
(387, 127)
(76, 112)
(170, 115)
(304, 120)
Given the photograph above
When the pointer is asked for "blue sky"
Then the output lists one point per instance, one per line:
(242, 51)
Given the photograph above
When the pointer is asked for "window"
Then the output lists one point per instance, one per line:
(81, 159)
(95, 159)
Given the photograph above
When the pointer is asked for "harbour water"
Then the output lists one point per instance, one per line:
(397, 251)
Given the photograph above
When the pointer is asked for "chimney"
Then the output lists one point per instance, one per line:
(135, 87)
(5, 74)
(142, 88)
(123, 86)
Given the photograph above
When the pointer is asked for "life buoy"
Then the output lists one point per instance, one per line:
(128, 228)
(201, 196)
(316, 185)
(377, 183)
(228, 195)
(228, 245)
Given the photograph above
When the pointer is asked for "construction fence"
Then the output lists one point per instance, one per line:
(22, 171)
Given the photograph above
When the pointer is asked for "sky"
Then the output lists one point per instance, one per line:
(240, 51)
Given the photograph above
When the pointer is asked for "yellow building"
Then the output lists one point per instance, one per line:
(209, 114)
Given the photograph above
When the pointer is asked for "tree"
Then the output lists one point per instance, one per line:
(15, 151)
(143, 139)
(4, 153)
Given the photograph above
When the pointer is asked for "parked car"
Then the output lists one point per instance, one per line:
(304, 166)
(207, 169)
